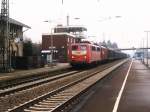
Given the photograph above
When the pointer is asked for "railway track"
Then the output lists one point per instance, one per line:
(30, 77)
(30, 84)
(62, 96)
(34, 81)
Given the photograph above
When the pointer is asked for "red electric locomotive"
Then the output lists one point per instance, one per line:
(86, 53)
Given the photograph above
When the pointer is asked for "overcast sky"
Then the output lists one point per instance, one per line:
(127, 31)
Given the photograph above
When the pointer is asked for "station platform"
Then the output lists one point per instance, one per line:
(24, 73)
(136, 94)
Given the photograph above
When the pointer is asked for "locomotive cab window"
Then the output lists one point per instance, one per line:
(75, 47)
(83, 48)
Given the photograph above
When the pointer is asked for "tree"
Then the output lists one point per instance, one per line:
(114, 45)
(104, 44)
(109, 44)
(37, 47)
(27, 47)
(30, 48)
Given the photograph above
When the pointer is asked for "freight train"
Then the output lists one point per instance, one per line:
(85, 53)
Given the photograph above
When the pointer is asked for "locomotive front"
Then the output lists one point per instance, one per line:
(79, 54)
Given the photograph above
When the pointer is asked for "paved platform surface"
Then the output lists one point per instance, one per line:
(23, 73)
(136, 95)
(134, 98)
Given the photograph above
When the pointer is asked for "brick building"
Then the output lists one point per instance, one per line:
(56, 46)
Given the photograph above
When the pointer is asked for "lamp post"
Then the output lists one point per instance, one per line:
(143, 50)
(147, 47)
(109, 18)
(105, 19)
(51, 47)
(68, 19)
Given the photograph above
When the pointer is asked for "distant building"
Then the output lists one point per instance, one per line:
(141, 53)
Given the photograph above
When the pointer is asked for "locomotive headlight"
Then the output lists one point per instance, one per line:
(72, 56)
(84, 57)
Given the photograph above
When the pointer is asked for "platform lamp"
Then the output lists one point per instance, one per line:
(109, 18)
(68, 19)
(143, 49)
(147, 47)
(51, 44)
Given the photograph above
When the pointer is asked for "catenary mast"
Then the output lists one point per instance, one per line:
(5, 58)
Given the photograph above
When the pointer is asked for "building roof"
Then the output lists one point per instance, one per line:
(70, 29)
(63, 33)
(12, 21)
(18, 23)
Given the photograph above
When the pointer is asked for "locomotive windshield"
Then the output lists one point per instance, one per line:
(83, 48)
(74, 47)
